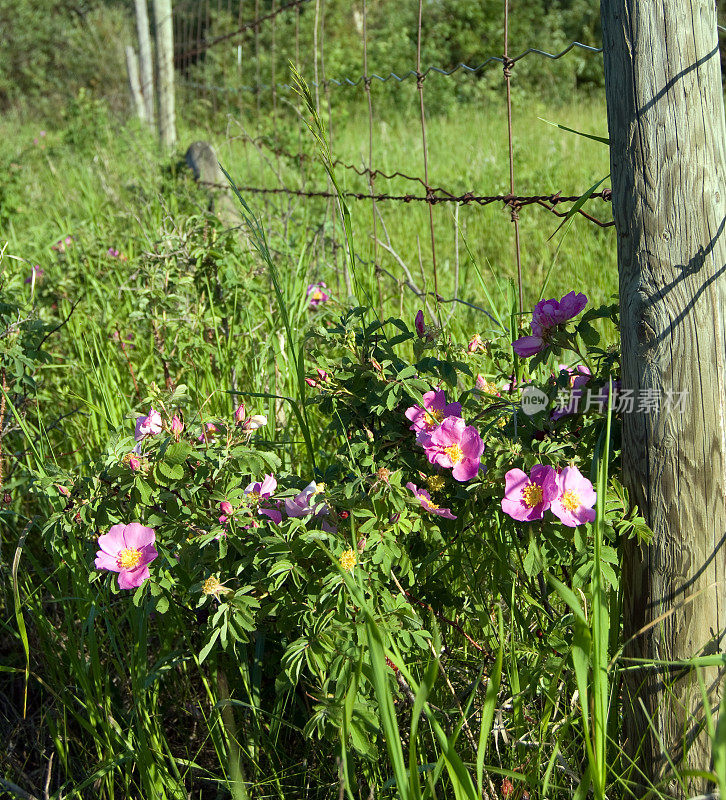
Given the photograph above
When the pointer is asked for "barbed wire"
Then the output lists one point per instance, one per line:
(393, 76)
(547, 201)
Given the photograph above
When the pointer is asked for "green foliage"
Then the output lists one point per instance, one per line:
(56, 47)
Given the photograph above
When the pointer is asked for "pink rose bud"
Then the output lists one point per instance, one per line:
(481, 383)
(134, 463)
(254, 422)
(311, 382)
(226, 508)
(322, 374)
(419, 324)
(177, 426)
(63, 490)
(239, 414)
(223, 520)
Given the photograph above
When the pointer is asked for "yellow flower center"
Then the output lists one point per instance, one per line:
(317, 295)
(570, 500)
(454, 452)
(432, 418)
(435, 483)
(211, 585)
(532, 495)
(429, 504)
(348, 560)
(128, 558)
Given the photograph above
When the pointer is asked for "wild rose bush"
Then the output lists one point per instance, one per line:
(420, 467)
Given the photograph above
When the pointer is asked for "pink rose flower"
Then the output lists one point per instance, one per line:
(239, 414)
(134, 463)
(177, 426)
(476, 343)
(128, 550)
(456, 446)
(526, 498)
(548, 314)
(428, 417)
(226, 508)
(148, 426)
(258, 492)
(300, 506)
(575, 498)
(315, 294)
(425, 499)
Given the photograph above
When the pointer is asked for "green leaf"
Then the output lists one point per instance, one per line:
(177, 453)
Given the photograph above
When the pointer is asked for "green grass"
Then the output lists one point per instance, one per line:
(128, 705)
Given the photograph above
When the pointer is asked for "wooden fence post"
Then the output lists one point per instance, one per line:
(163, 23)
(666, 122)
(147, 72)
(132, 67)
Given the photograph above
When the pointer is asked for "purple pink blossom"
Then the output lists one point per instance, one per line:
(127, 550)
(527, 497)
(456, 446)
(425, 499)
(575, 498)
(36, 273)
(476, 344)
(61, 245)
(428, 417)
(548, 314)
(260, 491)
(149, 425)
(316, 294)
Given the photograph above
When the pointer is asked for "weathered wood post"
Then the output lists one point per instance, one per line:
(132, 67)
(666, 121)
(163, 25)
(147, 70)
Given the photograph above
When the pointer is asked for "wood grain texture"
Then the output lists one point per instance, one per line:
(146, 67)
(163, 25)
(666, 122)
(132, 68)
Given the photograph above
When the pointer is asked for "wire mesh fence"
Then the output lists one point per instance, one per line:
(232, 58)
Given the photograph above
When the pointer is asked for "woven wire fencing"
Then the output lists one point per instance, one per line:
(232, 60)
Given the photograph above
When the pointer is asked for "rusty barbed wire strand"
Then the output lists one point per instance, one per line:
(360, 80)
(548, 201)
(261, 141)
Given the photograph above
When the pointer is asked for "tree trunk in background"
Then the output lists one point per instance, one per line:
(132, 66)
(165, 71)
(666, 122)
(147, 70)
